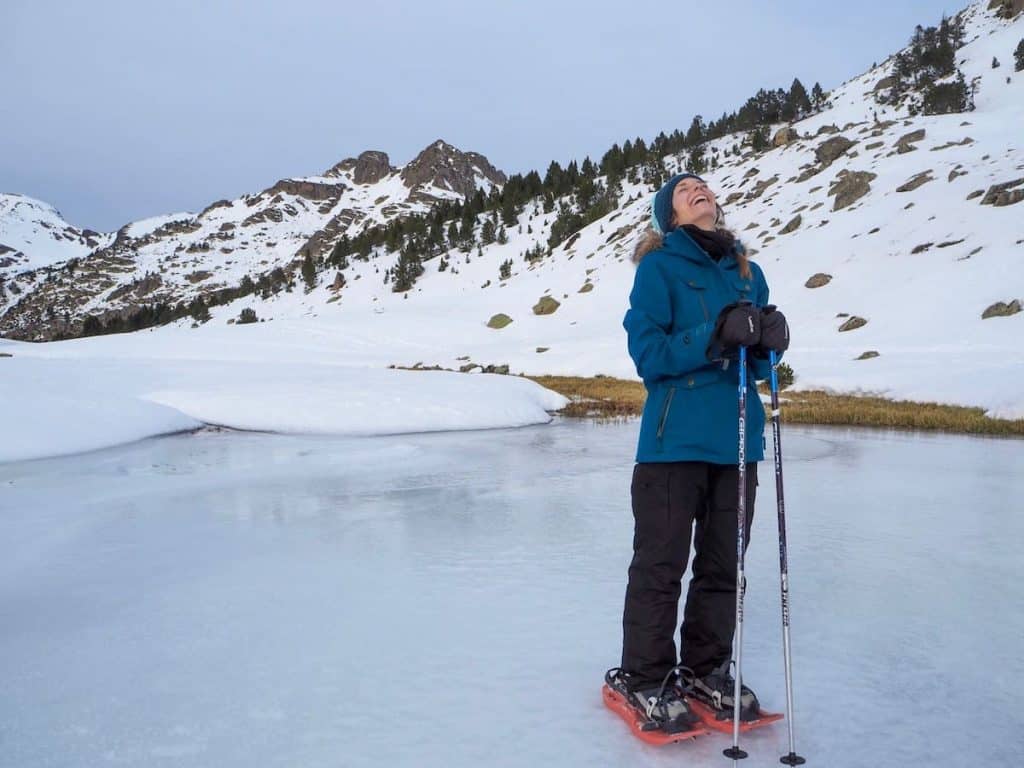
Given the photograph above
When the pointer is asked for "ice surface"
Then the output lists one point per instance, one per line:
(453, 599)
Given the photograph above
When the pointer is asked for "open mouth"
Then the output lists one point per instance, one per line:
(700, 199)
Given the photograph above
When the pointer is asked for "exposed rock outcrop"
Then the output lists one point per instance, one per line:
(316, 191)
(443, 166)
(1004, 194)
(849, 187)
(369, 168)
(830, 149)
(907, 141)
(792, 226)
(785, 135)
(916, 181)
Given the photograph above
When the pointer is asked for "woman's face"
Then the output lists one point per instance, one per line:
(693, 203)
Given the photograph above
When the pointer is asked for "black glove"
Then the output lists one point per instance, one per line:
(738, 325)
(774, 332)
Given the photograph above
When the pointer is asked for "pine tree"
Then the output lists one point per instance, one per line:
(586, 191)
(309, 271)
(406, 270)
(569, 180)
(505, 270)
(798, 100)
(817, 96)
(487, 232)
(1018, 56)
(695, 162)
(759, 139)
(695, 135)
(509, 214)
(566, 223)
(946, 98)
(654, 173)
(92, 326)
(340, 252)
(553, 177)
(466, 234)
(502, 236)
(613, 163)
(198, 310)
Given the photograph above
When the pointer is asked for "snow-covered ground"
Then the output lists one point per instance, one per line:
(453, 600)
(93, 393)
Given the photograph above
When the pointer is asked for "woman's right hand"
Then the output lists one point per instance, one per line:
(738, 325)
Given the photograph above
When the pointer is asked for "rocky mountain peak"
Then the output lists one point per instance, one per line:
(447, 167)
(370, 167)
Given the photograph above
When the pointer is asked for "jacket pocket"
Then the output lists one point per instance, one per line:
(744, 288)
(698, 378)
(698, 289)
(664, 416)
(686, 409)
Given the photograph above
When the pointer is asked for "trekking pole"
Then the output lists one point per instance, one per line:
(734, 751)
(792, 758)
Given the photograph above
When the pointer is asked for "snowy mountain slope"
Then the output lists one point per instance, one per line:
(895, 209)
(33, 234)
(177, 257)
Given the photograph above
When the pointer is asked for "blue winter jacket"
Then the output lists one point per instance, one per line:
(691, 413)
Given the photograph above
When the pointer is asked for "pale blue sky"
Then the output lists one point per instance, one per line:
(113, 111)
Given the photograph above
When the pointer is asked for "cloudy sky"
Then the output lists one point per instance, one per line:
(114, 111)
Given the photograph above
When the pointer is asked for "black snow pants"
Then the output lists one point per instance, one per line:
(671, 501)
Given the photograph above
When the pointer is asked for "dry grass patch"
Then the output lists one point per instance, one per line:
(856, 410)
(605, 396)
(597, 396)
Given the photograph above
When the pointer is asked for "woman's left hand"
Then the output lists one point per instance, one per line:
(774, 330)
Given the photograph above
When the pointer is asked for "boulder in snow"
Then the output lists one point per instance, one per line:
(849, 187)
(546, 306)
(852, 324)
(818, 280)
(1001, 309)
(499, 321)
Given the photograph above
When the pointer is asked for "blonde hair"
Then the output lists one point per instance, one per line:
(651, 239)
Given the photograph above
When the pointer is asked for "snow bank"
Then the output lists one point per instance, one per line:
(47, 419)
(54, 405)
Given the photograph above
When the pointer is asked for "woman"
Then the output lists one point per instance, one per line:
(696, 298)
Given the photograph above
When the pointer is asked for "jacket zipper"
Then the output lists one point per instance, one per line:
(664, 415)
(704, 306)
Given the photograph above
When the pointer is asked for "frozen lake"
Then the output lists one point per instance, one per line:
(228, 599)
